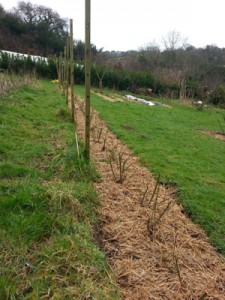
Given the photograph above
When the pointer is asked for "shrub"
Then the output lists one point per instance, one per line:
(24, 65)
(217, 97)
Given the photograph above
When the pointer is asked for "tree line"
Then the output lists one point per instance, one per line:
(32, 29)
(178, 71)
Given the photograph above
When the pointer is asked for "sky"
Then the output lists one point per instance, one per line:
(123, 25)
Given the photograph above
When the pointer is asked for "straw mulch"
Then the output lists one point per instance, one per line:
(117, 98)
(217, 135)
(169, 260)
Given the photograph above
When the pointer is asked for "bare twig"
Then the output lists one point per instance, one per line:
(104, 141)
(119, 165)
(99, 134)
(178, 270)
(155, 191)
(153, 220)
(176, 260)
(145, 194)
(111, 166)
(96, 133)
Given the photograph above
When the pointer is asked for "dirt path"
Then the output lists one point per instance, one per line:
(117, 98)
(216, 135)
(170, 260)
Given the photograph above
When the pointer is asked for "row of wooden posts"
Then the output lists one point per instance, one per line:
(65, 69)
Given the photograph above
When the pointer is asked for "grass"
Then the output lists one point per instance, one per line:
(47, 206)
(169, 142)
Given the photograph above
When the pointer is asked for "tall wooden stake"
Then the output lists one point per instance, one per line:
(87, 76)
(64, 70)
(67, 67)
(72, 71)
(61, 69)
(57, 66)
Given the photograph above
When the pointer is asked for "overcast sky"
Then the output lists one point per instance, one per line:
(129, 24)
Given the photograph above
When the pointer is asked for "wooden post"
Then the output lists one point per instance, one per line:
(61, 70)
(67, 67)
(72, 71)
(87, 76)
(64, 70)
(57, 66)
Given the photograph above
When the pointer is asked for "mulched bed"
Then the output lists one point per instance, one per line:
(171, 259)
(216, 135)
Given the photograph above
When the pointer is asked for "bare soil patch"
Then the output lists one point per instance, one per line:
(128, 127)
(216, 135)
(110, 99)
(171, 259)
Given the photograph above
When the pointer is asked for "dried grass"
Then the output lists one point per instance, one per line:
(179, 263)
(11, 82)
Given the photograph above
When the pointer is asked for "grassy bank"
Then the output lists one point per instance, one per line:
(169, 143)
(47, 203)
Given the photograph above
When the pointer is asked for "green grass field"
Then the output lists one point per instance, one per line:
(47, 203)
(169, 142)
(47, 200)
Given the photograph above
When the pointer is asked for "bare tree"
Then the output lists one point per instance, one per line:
(149, 56)
(101, 66)
(39, 14)
(26, 12)
(174, 40)
(44, 31)
(2, 11)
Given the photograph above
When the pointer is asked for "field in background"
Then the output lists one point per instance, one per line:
(47, 203)
(169, 142)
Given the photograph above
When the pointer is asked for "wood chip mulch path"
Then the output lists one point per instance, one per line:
(171, 259)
